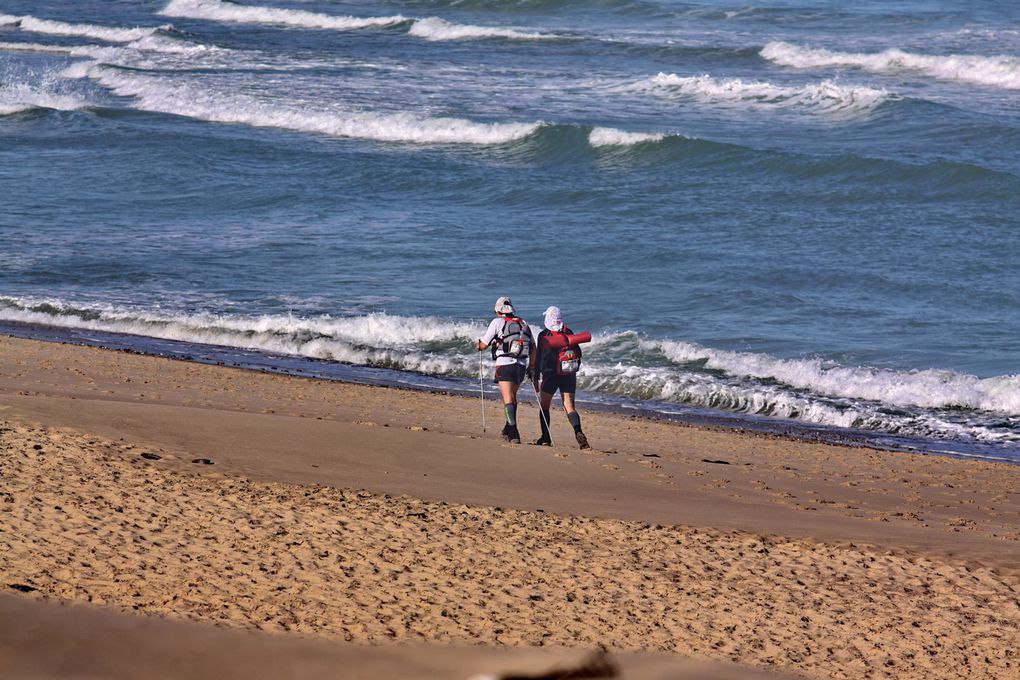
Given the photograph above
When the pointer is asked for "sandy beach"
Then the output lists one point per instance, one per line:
(334, 513)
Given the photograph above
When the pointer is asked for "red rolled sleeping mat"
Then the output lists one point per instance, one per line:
(559, 341)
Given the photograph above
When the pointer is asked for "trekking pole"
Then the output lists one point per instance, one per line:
(481, 390)
(538, 402)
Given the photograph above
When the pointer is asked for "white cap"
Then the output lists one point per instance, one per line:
(553, 319)
(504, 306)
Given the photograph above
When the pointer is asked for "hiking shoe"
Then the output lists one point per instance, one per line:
(582, 441)
(542, 441)
(513, 436)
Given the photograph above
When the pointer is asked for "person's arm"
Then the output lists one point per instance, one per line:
(490, 335)
(535, 360)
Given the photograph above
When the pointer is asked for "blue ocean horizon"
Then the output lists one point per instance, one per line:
(791, 210)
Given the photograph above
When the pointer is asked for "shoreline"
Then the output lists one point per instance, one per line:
(373, 515)
(307, 367)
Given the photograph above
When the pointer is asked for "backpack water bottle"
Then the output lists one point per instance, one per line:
(568, 362)
(514, 342)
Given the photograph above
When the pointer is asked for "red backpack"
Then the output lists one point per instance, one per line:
(568, 361)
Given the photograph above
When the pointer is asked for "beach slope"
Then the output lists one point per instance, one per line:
(375, 515)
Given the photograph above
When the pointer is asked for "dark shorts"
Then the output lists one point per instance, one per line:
(566, 384)
(510, 373)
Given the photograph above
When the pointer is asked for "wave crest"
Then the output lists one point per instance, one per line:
(406, 343)
(824, 97)
(434, 28)
(1002, 71)
(21, 97)
(162, 96)
(930, 388)
(602, 136)
(216, 10)
(108, 33)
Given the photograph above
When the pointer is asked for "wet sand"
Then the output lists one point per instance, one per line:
(375, 515)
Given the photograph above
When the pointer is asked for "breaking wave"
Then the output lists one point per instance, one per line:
(824, 97)
(107, 33)
(422, 344)
(36, 47)
(163, 95)
(929, 403)
(930, 388)
(1001, 71)
(153, 51)
(20, 97)
(434, 28)
(216, 10)
(601, 136)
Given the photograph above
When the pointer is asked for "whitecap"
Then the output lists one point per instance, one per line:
(931, 388)
(166, 95)
(374, 339)
(19, 97)
(434, 28)
(997, 71)
(826, 96)
(603, 136)
(108, 33)
(215, 10)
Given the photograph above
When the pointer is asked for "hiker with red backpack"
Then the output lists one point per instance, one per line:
(512, 344)
(556, 363)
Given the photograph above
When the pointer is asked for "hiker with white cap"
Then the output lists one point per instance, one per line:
(512, 345)
(556, 365)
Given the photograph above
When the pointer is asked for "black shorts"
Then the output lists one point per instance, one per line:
(566, 384)
(510, 373)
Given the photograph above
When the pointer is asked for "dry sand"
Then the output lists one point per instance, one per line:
(45, 641)
(377, 515)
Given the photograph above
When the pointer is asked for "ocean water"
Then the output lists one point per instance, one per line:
(806, 211)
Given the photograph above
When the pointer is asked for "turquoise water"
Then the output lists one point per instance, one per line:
(799, 210)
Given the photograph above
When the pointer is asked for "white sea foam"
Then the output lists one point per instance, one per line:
(807, 390)
(824, 97)
(18, 97)
(602, 136)
(374, 339)
(776, 401)
(216, 10)
(150, 52)
(434, 28)
(181, 98)
(166, 45)
(666, 385)
(998, 71)
(928, 388)
(107, 33)
(34, 47)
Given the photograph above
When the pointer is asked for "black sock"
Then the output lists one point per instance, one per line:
(510, 410)
(544, 418)
(575, 421)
